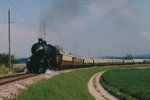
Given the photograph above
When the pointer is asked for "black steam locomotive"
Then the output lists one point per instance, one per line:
(44, 56)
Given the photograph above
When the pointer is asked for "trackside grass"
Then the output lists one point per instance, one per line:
(3, 71)
(66, 86)
(128, 84)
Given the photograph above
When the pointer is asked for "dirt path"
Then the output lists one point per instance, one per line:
(97, 90)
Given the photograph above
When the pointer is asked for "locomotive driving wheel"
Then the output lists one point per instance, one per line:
(41, 70)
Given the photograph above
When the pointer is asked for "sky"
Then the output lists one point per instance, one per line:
(83, 27)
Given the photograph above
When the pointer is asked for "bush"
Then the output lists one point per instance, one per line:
(129, 56)
(4, 59)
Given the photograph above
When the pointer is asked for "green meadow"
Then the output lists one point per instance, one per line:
(66, 86)
(128, 83)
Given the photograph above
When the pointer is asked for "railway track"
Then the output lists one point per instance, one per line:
(14, 77)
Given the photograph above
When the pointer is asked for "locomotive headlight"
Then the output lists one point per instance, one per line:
(42, 60)
(29, 60)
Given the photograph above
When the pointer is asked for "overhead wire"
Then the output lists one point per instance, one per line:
(20, 12)
(23, 5)
(16, 8)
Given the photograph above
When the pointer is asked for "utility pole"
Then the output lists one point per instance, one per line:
(44, 30)
(9, 39)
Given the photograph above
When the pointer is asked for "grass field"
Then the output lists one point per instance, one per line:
(66, 86)
(19, 65)
(17, 68)
(130, 82)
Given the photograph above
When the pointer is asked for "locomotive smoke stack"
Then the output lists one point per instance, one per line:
(40, 40)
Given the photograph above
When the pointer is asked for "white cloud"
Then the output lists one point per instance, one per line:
(126, 11)
(118, 7)
(144, 35)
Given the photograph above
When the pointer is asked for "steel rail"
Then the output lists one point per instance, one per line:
(14, 77)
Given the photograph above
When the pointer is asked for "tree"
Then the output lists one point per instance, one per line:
(4, 59)
(129, 56)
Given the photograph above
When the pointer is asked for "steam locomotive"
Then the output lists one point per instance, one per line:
(46, 56)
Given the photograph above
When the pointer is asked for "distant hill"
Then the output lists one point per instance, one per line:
(146, 56)
(22, 60)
